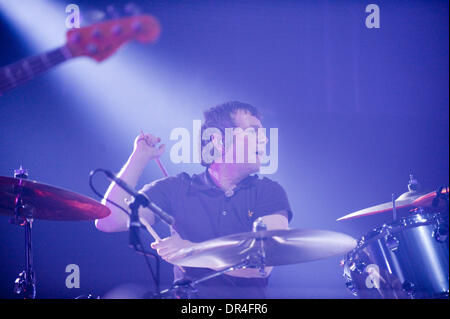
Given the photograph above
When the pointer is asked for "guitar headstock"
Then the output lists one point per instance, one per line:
(100, 40)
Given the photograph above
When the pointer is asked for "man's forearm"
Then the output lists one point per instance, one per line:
(130, 173)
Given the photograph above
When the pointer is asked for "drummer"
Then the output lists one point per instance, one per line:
(226, 198)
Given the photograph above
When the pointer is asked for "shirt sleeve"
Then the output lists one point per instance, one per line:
(163, 191)
(271, 198)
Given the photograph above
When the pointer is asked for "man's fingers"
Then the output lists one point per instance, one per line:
(155, 245)
(160, 243)
(162, 147)
(149, 138)
(152, 141)
(166, 251)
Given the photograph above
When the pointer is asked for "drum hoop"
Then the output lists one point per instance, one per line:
(404, 223)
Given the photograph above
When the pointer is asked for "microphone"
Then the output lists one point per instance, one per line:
(130, 190)
(143, 199)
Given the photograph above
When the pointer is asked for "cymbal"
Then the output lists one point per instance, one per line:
(427, 199)
(281, 247)
(406, 201)
(48, 202)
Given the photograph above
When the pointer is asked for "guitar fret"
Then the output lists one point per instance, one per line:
(10, 76)
(18, 73)
(3, 76)
(35, 63)
(66, 52)
(55, 56)
(27, 68)
(24, 70)
(44, 60)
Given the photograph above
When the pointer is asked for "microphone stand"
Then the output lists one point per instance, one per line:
(135, 224)
(138, 200)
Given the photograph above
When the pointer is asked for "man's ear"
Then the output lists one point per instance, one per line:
(216, 139)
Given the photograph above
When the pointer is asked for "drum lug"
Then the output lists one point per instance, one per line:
(409, 288)
(349, 284)
(351, 287)
(358, 266)
(440, 233)
(392, 242)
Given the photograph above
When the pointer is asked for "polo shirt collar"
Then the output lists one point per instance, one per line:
(203, 182)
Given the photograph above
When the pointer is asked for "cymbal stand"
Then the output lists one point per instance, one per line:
(187, 288)
(254, 261)
(25, 284)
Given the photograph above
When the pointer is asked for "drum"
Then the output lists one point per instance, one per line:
(406, 259)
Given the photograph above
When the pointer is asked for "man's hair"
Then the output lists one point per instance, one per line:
(221, 117)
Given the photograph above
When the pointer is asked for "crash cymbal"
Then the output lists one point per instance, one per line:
(48, 202)
(404, 201)
(281, 247)
(427, 199)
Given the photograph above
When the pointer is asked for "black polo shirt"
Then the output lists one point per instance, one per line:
(202, 211)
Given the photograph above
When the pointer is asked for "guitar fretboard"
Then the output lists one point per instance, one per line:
(21, 71)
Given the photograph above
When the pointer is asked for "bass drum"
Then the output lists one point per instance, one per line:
(406, 259)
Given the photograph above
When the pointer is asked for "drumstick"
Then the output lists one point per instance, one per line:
(161, 166)
(150, 229)
(142, 220)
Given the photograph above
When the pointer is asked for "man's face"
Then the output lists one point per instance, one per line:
(247, 144)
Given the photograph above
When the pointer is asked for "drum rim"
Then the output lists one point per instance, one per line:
(421, 218)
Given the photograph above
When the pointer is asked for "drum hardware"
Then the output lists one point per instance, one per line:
(136, 223)
(256, 249)
(188, 288)
(392, 242)
(394, 208)
(358, 266)
(280, 246)
(409, 288)
(88, 296)
(411, 252)
(25, 284)
(406, 203)
(413, 184)
(440, 232)
(412, 262)
(27, 200)
(259, 225)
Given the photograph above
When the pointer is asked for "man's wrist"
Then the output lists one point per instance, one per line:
(139, 159)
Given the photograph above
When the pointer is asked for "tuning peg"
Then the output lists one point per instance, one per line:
(132, 9)
(112, 12)
(93, 16)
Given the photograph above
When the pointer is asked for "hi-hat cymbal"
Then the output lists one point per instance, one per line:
(48, 202)
(280, 247)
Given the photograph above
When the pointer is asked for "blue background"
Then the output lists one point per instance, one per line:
(357, 111)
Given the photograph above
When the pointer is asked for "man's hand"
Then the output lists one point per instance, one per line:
(145, 149)
(146, 146)
(168, 246)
